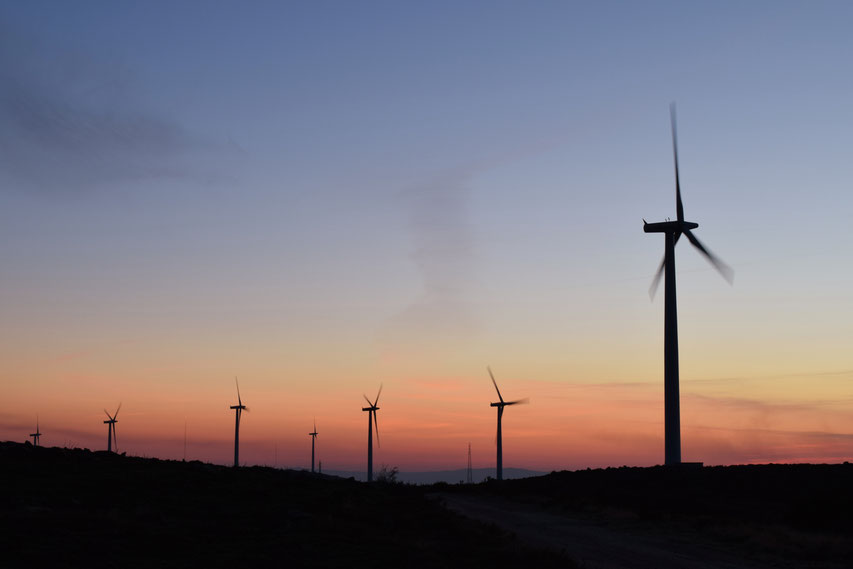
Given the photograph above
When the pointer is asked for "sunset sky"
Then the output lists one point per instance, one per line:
(322, 197)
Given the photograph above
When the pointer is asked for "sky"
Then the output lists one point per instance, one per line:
(320, 198)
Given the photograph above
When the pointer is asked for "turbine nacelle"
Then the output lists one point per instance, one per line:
(669, 226)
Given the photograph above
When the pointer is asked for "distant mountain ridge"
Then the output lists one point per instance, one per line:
(448, 476)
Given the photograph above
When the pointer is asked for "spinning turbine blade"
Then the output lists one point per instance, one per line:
(524, 401)
(659, 274)
(656, 280)
(117, 410)
(495, 383)
(679, 207)
(376, 424)
(366, 399)
(108, 415)
(239, 401)
(723, 268)
(376, 402)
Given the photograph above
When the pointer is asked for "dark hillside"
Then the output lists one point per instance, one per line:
(76, 508)
(803, 496)
(777, 513)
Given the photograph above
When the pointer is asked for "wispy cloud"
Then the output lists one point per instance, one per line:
(792, 375)
(72, 122)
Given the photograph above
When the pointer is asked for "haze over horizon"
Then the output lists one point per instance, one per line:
(320, 198)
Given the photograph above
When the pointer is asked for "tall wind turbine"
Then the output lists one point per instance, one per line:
(313, 440)
(111, 429)
(371, 420)
(672, 230)
(500, 405)
(37, 435)
(238, 408)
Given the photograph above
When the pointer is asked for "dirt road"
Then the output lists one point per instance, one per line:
(596, 544)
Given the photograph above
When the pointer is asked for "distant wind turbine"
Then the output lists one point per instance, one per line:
(37, 435)
(313, 440)
(239, 408)
(111, 429)
(500, 405)
(673, 230)
(371, 420)
(470, 477)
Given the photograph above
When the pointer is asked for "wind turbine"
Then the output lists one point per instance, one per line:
(371, 420)
(313, 440)
(672, 231)
(37, 435)
(238, 411)
(500, 405)
(111, 429)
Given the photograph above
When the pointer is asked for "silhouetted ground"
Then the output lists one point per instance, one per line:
(735, 516)
(76, 508)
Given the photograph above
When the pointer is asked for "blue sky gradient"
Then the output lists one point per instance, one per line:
(371, 188)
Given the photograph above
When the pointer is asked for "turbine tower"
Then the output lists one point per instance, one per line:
(111, 429)
(238, 408)
(313, 440)
(371, 420)
(500, 405)
(672, 231)
(37, 435)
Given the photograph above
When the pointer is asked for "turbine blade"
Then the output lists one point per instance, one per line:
(723, 268)
(239, 400)
(375, 403)
(679, 207)
(117, 410)
(498, 430)
(108, 415)
(376, 424)
(495, 383)
(115, 440)
(366, 399)
(656, 280)
(524, 401)
(660, 272)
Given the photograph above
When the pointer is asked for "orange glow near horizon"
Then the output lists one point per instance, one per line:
(427, 424)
